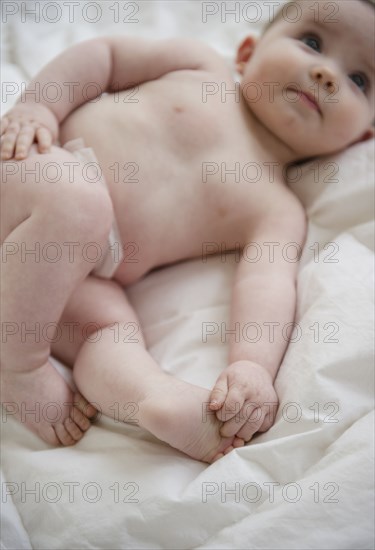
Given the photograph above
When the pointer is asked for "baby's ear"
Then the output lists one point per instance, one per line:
(244, 53)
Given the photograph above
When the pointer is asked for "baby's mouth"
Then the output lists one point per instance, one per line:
(308, 99)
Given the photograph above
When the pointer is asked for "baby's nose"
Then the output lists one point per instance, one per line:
(324, 76)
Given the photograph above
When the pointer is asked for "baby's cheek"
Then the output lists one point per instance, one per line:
(260, 72)
(348, 129)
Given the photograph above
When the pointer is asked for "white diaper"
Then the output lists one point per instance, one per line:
(113, 255)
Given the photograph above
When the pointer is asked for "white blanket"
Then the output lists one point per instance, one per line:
(308, 482)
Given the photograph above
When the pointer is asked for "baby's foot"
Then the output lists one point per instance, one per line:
(42, 400)
(179, 414)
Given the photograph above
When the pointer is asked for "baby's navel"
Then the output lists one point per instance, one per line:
(178, 109)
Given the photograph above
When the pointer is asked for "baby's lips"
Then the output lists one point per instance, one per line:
(308, 97)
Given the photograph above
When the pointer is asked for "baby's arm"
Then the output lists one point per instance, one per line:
(85, 71)
(263, 303)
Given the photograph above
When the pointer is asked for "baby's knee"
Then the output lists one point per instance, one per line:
(76, 201)
(53, 185)
(87, 207)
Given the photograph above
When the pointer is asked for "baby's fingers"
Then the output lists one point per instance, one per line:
(253, 423)
(24, 140)
(232, 404)
(44, 139)
(8, 140)
(245, 422)
(218, 394)
(4, 123)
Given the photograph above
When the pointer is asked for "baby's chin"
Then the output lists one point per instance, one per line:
(309, 146)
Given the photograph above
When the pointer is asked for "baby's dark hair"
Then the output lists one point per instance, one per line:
(279, 13)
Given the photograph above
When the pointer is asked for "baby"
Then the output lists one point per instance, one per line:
(170, 112)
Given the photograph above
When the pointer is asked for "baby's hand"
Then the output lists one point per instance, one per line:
(23, 125)
(245, 400)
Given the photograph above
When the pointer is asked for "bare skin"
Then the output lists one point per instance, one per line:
(138, 391)
(57, 415)
(30, 386)
(171, 152)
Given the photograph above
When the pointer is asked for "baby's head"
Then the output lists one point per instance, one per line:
(314, 70)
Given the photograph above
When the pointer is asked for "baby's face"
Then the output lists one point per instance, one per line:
(327, 55)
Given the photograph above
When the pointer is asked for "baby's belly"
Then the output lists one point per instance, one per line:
(156, 198)
(151, 155)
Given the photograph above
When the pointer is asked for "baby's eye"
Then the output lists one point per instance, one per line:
(360, 80)
(312, 41)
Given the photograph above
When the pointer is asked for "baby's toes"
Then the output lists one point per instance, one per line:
(63, 435)
(251, 427)
(238, 442)
(84, 406)
(72, 428)
(216, 457)
(80, 419)
(228, 449)
(232, 426)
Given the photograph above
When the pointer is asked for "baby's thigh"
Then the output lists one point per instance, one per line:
(50, 183)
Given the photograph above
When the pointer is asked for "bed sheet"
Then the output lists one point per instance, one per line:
(306, 483)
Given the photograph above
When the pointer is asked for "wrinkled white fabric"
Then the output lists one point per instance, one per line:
(308, 482)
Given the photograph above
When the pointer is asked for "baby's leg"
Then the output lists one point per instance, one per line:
(114, 371)
(45, 228)
(95, 303)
